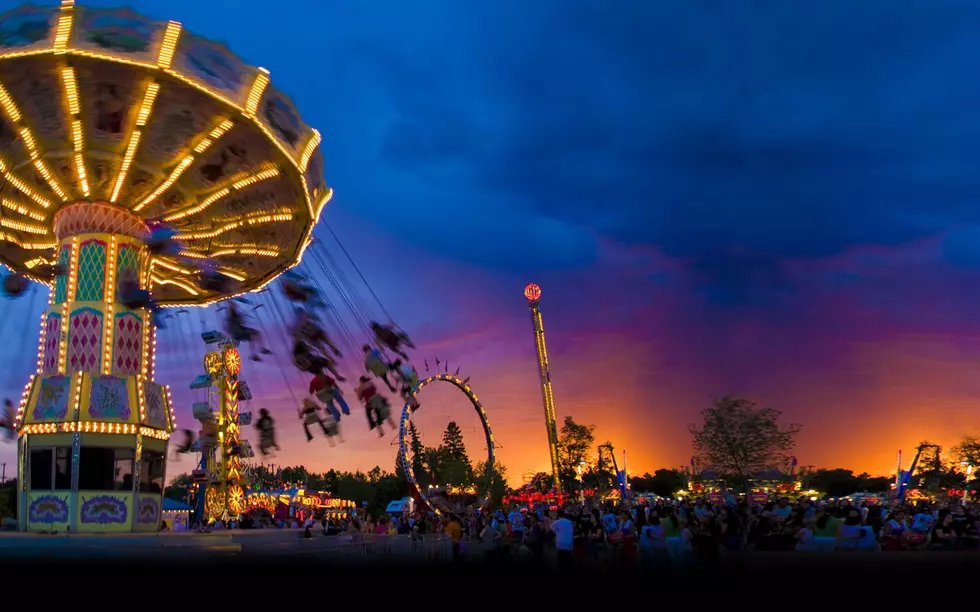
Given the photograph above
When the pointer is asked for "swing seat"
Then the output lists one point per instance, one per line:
(245, 419)
(247, 451)
(199, 475)
(203, 381)
(202, 412)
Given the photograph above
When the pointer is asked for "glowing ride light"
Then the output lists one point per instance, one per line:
(404, 434)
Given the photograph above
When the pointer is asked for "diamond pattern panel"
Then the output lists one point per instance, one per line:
(127, 263)
(61, 284)
(126, 350)
(84, 340)
(52, 334)
(91, 271)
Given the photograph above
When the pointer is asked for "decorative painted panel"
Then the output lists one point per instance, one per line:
(52, 401)
(91, 271)
(48, 511)
(126, 338)
(127, 263)
(85, 340)
(52, 335)
(104, 511)
(149, 510)
(156, 406)
(109, 399)
(61, 283)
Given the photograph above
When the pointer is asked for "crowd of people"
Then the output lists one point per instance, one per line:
(680, 533)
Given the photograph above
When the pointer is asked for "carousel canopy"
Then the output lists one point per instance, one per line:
(109, 106)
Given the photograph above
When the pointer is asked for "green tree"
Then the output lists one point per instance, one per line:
(542, 482)
(575, 444)
(178, 487)
(456, 468)
(967, 452)
(662, 482)
(496, 486)
(739, 438)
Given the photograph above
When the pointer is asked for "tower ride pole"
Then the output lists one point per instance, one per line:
(533, 294)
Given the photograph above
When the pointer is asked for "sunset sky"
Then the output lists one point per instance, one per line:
(780, 203)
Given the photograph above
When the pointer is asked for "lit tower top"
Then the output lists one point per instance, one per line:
(533, 294)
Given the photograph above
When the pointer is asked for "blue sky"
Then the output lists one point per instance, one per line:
(770, 198)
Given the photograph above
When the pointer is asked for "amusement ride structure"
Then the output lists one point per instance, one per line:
(111, 123)
(404, 439)
(533, 294)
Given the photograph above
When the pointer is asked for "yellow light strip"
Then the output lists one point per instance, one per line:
(21, 209)
(248, 220)
(77, 129)
(311, 146)
(9, 107)
(170, 38)
(95, 427)
(134, 141)
(214, 197)
(163, 263)
(20, 226)
(21, 186)
(237, 249)
(215, 134)
(24, 397)
(71, 90)
(255, 93)
(50, 179)
(13, 113)
(326, 197)
(28, 246)
(237, 275)
(185, 163)
(147, 106)
(110, 298)
(166, 281)
(64, 27)
(69, 297)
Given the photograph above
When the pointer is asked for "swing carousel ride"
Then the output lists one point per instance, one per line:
(142, 167)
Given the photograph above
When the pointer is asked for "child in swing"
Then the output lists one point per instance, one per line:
(185, 446)
(242, 333)
(375, 364)
(267, 432)
(375, 405)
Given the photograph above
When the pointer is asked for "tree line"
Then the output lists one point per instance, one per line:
(736, 442)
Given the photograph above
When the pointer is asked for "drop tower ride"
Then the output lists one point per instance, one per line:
(533, 294)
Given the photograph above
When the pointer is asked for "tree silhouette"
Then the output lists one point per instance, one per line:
(740, 439)
(575, 444)
(452, 441)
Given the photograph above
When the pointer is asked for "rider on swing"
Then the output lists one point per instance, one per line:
(374, 363)
(242, 333)
(309, 361)
(390, 339)
(267, 432)
(135, 297)
(377, 407)
(408, 376)
(307, 329)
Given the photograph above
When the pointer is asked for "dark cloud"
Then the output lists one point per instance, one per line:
(767, 128)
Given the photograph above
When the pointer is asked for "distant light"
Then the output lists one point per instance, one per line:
(532, 292)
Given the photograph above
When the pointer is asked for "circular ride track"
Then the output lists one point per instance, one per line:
(404, 437)
(135, 120)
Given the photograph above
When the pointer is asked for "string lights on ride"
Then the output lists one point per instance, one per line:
(404, 433)
(94, 427)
